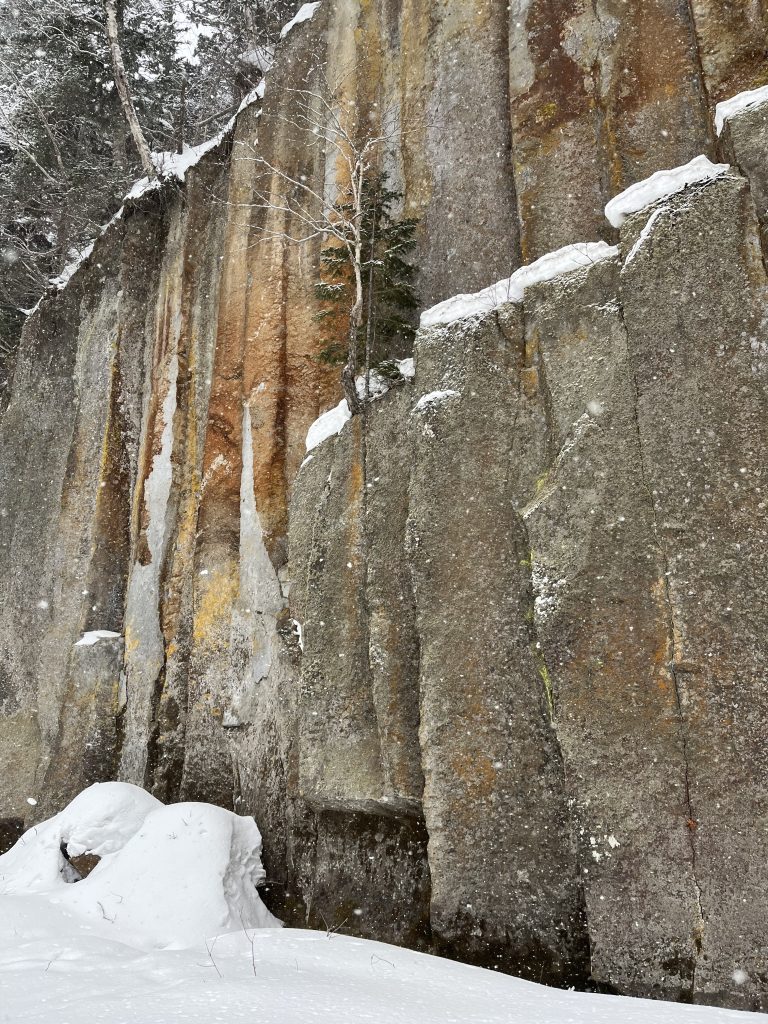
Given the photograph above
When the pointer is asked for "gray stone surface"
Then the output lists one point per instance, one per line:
(505, 884)
(606, 637)
(698, 345)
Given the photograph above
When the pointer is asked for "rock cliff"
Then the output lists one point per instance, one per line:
(489, 666)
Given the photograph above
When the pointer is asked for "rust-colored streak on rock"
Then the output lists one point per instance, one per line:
(592, 103)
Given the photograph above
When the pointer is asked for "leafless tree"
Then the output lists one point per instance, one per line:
(348, 152)
(123, 90)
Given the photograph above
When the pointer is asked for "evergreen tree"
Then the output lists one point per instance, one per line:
(389, 297)
(66, 154)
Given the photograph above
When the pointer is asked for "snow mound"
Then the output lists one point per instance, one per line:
(330, 423)
(168, 875)
(736, 104)
(512, 289)
(305, 13)
(93, 637)
(661, 185)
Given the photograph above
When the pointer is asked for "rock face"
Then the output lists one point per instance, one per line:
(489, 665)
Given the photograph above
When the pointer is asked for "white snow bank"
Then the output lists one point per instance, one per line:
(512, 289)
(736, 104)
(53, 973)
(168, 877)
(93, 637)
(305, 13)
(435, 398)
(330, 423)
(661, 185)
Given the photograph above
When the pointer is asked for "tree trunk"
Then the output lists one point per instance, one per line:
(123, 91)
(355, 320)
(350, 367)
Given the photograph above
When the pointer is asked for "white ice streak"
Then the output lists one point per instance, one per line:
(563, 261)
(305, 13)
(737, 104)
(644, 234)
(661, 185)
(94, 635)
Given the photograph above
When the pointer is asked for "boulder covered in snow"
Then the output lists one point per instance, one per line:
(167, 876)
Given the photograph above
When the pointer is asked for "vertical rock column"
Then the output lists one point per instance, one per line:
(355, 768)
(505, 888)
(606, 636)
(695, 297)
(596, 106)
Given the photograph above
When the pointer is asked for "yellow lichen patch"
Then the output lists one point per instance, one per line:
(215, 605)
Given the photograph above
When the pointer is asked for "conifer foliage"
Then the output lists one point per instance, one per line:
(389, 297)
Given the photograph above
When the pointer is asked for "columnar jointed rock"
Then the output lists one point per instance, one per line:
(558, 738)
(505, 884)
(603, 623)
(698, 345)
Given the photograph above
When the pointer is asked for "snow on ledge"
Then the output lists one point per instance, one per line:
(736, 104)
(330, 423)
(62, 280)
(512, 289)
(305, 13)
(93, 637)
(661, 185)
(333, 421)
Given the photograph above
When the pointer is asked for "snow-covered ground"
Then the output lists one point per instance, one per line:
(135, 941)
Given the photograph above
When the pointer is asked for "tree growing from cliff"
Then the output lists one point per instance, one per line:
(389, 298)
(342, 197)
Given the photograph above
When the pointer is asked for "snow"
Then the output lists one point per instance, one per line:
(260, 57)
(169, 876)
(168, 929)
(330, 423)
(645, 234)
(435, 398)
(53, 971)
(171, 166)
(737, 104)
(62, 280)
(661, 185)
(333, 421)
(305, 13)
(253, 96)
(512, 289)
(188, 33)
(93, 637)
